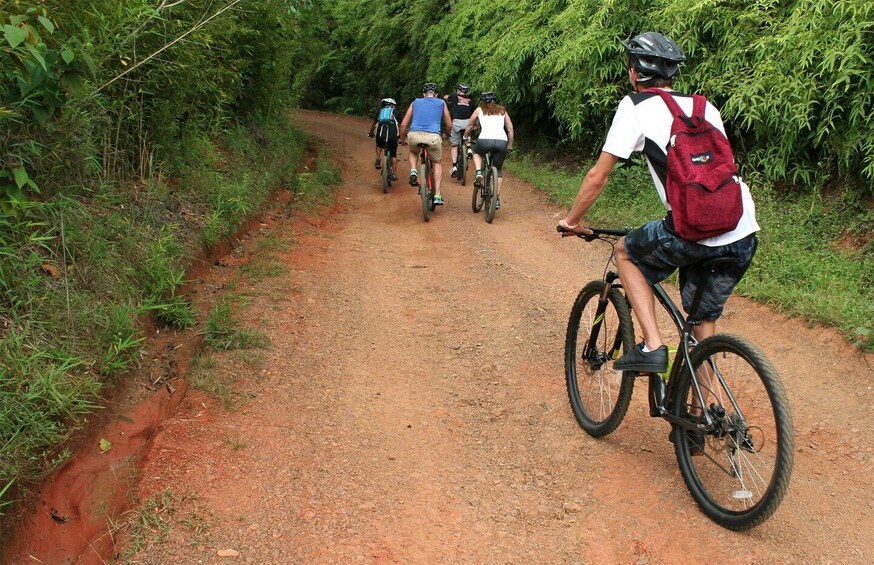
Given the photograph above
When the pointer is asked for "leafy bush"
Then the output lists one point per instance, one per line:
(794, 79)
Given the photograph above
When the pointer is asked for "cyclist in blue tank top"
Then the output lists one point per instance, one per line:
(422, 124)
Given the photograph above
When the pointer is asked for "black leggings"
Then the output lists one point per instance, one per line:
(483, 146)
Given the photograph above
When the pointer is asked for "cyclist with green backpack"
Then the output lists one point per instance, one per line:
(386, 129)
(647, 121)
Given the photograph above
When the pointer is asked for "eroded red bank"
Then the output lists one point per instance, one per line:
(70, 522)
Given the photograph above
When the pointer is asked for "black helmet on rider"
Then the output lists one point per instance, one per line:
(653, 55)
(388, 102)
(488, 97)
(429, 87)
(463, 88)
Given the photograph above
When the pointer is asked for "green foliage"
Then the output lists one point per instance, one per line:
(223, 334)
(152, 522)
(39, 396)
(95, 89)
(79, 270)
(794, 79)
(130, 132)
(314, 187)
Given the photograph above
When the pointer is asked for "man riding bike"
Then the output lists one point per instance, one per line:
(421, 124)
(387, 134)
(461, 107)
(652, 252)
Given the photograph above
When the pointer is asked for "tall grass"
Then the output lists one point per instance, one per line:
(80, 270)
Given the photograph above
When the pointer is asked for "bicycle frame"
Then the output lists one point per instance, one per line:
(736, 470)
(659, 393)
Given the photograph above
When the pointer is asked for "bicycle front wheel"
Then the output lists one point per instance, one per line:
(491, 191)
(738, 470)
(598, 333)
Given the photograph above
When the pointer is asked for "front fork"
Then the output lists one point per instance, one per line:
(603, 301)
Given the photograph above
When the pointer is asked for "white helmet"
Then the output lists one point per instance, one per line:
(387, 101)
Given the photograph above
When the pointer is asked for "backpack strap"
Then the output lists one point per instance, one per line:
(699, 103)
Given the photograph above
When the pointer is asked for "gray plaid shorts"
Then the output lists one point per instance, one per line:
(658, 252)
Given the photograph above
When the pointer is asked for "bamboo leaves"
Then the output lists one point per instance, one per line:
(794, 79)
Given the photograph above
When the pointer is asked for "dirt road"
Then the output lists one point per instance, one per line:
(412, 409)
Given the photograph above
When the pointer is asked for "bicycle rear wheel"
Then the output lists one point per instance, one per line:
(462, 164)
(425, 187)
(739, 473)
(596, 335)
(386, 171)
(491, 193)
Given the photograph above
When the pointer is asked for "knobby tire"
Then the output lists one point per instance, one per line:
(599, 396)
(425, 188)
(740, 478)
(386, 171)
(462, 164)
(491, 193)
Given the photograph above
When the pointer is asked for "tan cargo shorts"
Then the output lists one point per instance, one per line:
(434, 141)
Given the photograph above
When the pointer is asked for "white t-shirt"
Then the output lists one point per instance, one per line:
(492, 127)
(643, 123)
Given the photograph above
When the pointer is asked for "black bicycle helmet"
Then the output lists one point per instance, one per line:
(653, 55)
(429, 87)
(463, 88)
(489, 97)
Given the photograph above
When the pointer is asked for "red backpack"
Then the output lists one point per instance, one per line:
(702, 185)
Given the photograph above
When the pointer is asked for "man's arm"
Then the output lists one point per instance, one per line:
(405, 125)
(591, 188)
(447, 119)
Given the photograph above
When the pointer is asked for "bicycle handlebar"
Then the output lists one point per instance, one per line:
(596, 233)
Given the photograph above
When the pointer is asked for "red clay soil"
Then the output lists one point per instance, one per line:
(411, 408)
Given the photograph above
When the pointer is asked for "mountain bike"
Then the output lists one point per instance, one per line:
(730, 419)
(487, 194)
(426, 184)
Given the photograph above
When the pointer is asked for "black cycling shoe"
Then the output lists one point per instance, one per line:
(649, 362)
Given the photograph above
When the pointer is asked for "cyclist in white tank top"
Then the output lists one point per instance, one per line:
(496, 135)
(492, 127)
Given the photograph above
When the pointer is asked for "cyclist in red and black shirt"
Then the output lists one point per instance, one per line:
(461, 106)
